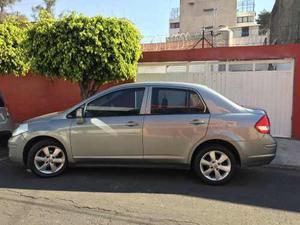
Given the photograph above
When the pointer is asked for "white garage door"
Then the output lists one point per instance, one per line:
(258, 84)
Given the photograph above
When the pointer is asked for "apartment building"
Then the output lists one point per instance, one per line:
(224, 22)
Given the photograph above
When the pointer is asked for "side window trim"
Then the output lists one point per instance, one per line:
(149, 100)
(121, 89)
(145, 101)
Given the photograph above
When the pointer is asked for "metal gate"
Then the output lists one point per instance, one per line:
(266, 84)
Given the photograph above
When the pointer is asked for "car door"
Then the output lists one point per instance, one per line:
(112, 127)
(177, 120)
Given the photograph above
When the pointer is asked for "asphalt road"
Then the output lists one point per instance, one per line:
(146, 196)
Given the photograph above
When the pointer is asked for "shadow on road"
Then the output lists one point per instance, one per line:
(262, 187)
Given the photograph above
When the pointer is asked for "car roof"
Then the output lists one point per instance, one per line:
(162, 83)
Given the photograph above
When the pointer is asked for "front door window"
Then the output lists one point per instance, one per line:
(119, 103)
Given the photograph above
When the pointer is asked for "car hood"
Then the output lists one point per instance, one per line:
(55, 115)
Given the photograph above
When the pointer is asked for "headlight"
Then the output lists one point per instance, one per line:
(22, 128)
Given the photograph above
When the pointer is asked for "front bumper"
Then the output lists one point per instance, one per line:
(16, 145)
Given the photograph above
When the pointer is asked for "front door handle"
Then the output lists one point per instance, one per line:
(198, 122)
(132, 124)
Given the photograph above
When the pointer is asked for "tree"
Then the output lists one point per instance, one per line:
(48, 6)
(264, 20)
(87, 50)
(3, 5)
(12, 54)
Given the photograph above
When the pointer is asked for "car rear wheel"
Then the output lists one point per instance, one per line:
(47, 158)
(214, 164)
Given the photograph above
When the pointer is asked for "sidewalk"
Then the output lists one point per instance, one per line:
(288, 153)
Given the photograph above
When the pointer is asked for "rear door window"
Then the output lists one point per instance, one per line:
(176, 101)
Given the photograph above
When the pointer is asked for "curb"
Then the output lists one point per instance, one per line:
(280, 166)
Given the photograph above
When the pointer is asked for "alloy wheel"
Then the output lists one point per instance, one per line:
(49, 160)
(215, 165)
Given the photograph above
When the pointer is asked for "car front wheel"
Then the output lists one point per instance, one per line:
(214, 164)
(47, 158)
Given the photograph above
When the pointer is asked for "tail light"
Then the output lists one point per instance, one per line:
(263, 125)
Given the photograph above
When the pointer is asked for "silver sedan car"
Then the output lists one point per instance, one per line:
(148, 124)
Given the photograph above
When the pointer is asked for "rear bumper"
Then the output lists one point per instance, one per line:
(259, 153)
(260, 160)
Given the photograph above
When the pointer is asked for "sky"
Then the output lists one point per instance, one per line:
(150, 16)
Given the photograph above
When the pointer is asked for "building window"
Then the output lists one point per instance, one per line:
(250, 19)
(209, 28)
(240, 67)
(246, 5)
(245, 31)
(176, 69)
(218, 68)
(208, 10)
(174, 25)
(273, 67)
(245, 19)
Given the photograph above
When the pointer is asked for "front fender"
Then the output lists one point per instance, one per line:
(58, 129)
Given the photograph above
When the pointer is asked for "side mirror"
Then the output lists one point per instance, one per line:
(80, 116)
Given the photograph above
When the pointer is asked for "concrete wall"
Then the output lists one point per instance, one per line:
(193, 15)
(285, 22)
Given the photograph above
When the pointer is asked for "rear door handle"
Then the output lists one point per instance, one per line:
(198, 122)
(132, 124)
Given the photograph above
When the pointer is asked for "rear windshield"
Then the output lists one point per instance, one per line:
(1, 101)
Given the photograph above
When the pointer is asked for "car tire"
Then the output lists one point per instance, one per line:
(44, 164)
(214, 164)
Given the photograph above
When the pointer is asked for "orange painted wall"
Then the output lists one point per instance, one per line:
(34, 95)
